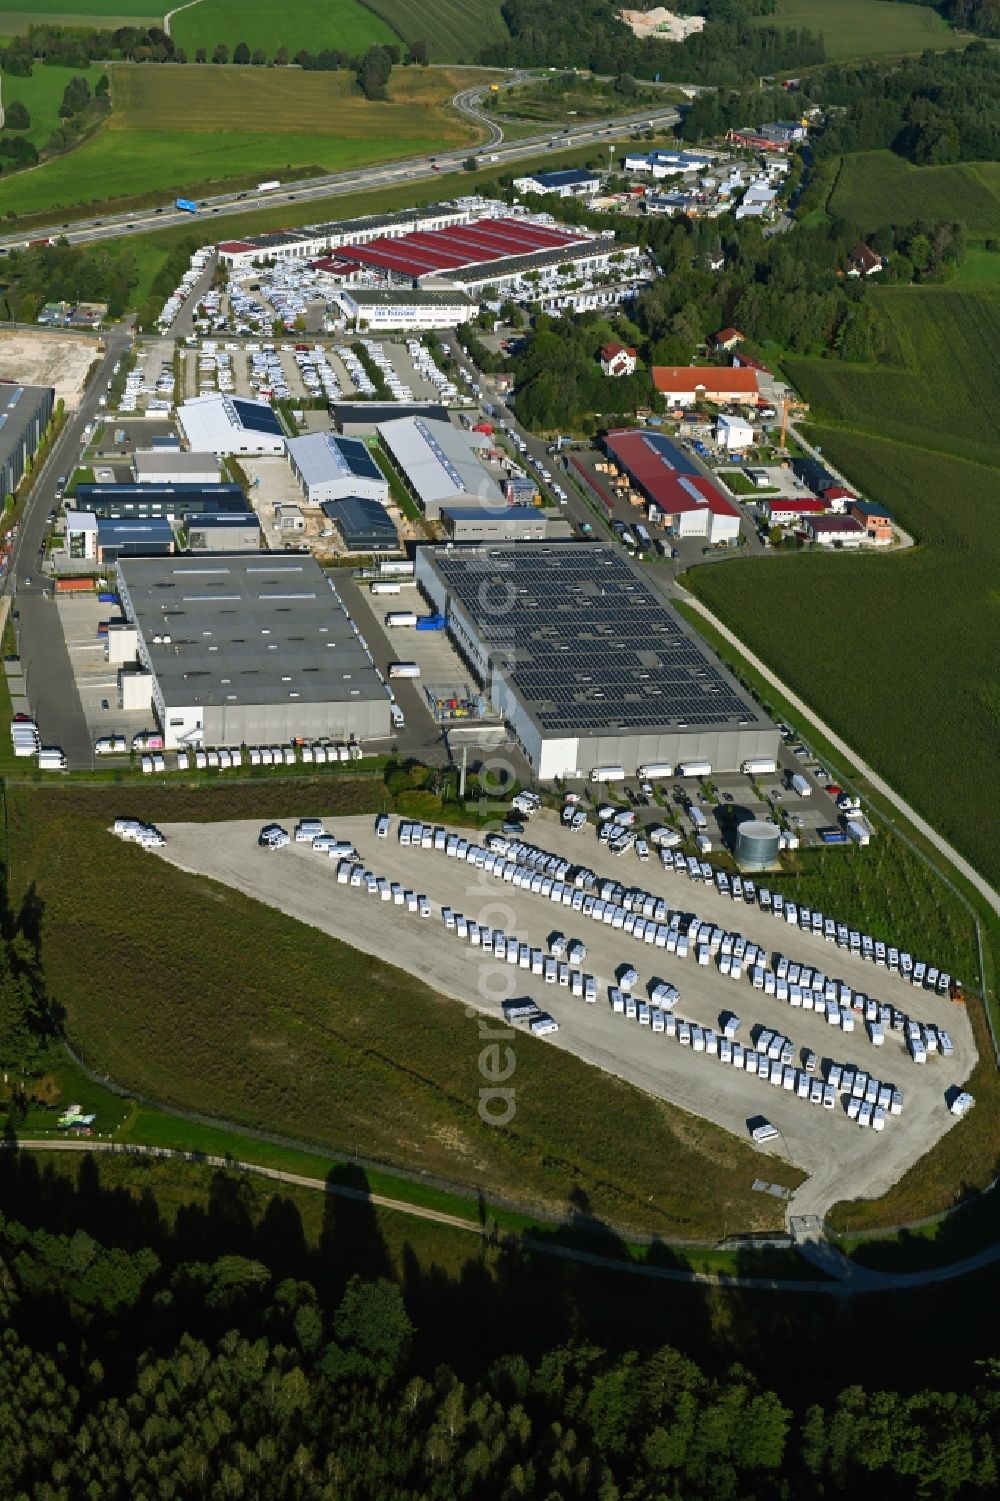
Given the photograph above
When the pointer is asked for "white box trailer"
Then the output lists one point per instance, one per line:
(698, 818)
(653, 769)
(404, 670)
(859, 832)
(798, 784)
(607, 774)
(759, 766)
(396, 618)
(384, 586)
(694, 769)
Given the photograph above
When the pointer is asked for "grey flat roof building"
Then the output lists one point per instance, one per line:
(170, 466)
(250, 649)
(515, 523)
(25, 412)
(140, 537)
(586, 663)
(330, 466)
(228, 532)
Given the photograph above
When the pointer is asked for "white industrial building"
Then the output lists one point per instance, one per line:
(329, 466)
(587, 665)
(245, 649)
(438, 465)
(569, 182)
(733, 432)
(227, 425)
(171, 466)
(411, 311)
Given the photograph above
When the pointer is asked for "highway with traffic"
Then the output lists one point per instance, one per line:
(496, 152)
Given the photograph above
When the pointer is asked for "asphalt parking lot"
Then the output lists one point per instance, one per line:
(842, 1159)
(95, 679)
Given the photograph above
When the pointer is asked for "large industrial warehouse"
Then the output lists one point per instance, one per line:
(245, 649)
(331, 467)
(681, 498)
(24, 415)
(230, 425)
(588, 667)
(488, 252)
(438, 465)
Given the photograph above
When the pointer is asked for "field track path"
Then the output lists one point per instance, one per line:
(848, 1277)
(176, 10)
(879, 783)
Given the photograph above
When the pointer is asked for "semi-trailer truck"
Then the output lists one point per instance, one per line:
(400, 618)
(694, 769)
(759, 766)
(798, 784)
(607, 774)
(268, 187)
(654, 769)
(187, 205)
(404, 670)
(384, 587)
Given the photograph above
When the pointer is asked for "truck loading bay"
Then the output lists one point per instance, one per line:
(842, 1160)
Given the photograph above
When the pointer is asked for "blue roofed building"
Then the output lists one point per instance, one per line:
(568, 182)
(146, 537)
(364, 525)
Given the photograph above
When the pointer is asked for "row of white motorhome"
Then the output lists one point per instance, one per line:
(652, 771)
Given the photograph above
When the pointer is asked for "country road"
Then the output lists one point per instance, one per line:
(848, 1277)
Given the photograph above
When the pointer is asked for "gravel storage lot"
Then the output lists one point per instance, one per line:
(842, 1159)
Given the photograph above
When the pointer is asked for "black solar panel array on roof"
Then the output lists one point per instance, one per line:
(591, 648)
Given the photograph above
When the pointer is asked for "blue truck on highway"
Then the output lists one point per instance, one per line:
(187, 204)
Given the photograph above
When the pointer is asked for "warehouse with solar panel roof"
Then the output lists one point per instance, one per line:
(589, 667)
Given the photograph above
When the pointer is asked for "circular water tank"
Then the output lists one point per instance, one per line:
(756, 845)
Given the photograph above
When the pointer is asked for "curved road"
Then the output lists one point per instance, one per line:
(879, 783)
(850, 1278)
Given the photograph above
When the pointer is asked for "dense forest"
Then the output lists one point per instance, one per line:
(942, 107)
(205, 1361)
(590, 35)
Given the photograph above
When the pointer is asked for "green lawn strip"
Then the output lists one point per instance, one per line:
(972, 1228)
(397, 489)
(42, 94)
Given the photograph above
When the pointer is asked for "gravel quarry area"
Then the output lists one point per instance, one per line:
(61, 360)
(843, 1160)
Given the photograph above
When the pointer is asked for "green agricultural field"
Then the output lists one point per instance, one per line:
(455, 31)
(894, 652)
(951, 331)
(191, 129)
(866, 28)
(42, 95)
(877, 187)
(16, 17)
(202, 999)
(311, 25)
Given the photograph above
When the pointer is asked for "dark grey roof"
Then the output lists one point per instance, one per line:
(588, 648)
(251, 628)
(176, 500)
(19, 407)
(374, 412)
(403, 297)
(320, 457)
(360, 520)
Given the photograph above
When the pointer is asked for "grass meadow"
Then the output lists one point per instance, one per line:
(894, 652)
(191, 129)
(16, 17)
(943, 389)
(878, 187)
(311, 25)
(866, 28)
(204, 1000)
(455, 31)
(42, 95)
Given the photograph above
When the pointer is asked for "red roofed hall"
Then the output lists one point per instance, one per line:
(618, 359)
(683, 385)
(436, 252)
(837, 497)
(680, 497)
(784, 508)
